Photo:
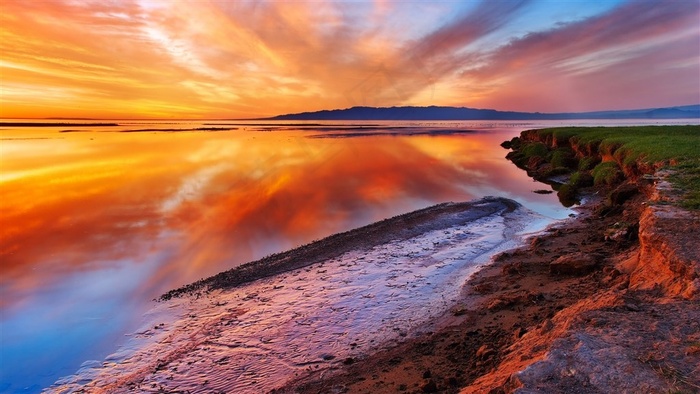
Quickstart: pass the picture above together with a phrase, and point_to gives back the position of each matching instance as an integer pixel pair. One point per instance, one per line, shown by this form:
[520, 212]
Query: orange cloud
[245, 59]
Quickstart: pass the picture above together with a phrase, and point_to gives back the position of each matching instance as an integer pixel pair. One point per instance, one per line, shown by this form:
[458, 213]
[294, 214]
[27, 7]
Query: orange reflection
[200, 203]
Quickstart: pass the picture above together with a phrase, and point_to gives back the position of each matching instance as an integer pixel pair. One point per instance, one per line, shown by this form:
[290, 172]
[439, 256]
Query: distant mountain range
[463, 113]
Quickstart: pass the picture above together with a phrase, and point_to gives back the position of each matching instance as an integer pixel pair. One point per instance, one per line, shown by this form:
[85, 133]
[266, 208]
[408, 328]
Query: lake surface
[97, 222]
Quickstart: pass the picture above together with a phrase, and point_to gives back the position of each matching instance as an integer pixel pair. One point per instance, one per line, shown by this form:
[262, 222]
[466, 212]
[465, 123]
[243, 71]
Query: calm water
[97, 223]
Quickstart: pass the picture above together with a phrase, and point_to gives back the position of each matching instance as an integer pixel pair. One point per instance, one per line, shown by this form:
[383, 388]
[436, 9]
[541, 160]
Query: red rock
[573, 264]
[485, 352]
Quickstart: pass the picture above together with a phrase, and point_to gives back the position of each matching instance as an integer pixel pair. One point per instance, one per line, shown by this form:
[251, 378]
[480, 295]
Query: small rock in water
[543, 191]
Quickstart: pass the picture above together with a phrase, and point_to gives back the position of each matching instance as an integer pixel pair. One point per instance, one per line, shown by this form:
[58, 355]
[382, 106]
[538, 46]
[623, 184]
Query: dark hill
[463, 113]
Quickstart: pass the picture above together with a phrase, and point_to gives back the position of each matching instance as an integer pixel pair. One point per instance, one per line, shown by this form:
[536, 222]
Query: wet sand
[312, 311]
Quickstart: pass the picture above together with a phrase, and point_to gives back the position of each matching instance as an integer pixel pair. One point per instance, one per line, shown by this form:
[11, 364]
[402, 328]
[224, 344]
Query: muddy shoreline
[515, 294]
[312, 309]
[561, 314]
[396, 228]
[525, 318]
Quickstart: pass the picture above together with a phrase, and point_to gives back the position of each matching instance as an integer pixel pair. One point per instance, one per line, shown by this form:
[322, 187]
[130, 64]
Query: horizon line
[343, 109]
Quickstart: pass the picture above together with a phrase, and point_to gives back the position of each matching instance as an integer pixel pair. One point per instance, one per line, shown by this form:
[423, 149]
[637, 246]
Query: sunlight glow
[136, 59]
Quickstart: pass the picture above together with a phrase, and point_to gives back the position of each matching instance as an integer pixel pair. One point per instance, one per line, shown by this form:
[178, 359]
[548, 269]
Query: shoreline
[333, 301]
[507, 329]
[504, 300]
[558, 315]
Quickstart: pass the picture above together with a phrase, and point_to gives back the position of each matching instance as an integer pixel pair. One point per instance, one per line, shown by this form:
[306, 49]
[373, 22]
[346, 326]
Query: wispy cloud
[151, 58]
[611, 60]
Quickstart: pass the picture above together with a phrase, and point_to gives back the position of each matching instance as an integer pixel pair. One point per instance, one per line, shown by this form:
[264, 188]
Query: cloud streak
[240, 59]
[642, 51]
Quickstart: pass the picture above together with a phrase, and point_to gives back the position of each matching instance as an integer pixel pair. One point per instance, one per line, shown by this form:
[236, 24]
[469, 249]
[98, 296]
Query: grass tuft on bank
[674, 147]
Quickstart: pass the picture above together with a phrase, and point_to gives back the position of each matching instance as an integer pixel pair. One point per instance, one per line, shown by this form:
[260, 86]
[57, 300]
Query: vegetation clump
[605, 156]
[587, 163]
[581, 179]
[563, 157]
[607, 173]
[536, 149]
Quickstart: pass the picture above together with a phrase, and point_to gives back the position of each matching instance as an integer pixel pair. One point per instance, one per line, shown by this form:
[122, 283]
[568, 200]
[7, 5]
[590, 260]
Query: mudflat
[313, 309]
[400, 227]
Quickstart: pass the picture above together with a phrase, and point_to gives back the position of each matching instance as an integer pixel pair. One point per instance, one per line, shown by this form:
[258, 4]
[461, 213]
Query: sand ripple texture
[256, 337]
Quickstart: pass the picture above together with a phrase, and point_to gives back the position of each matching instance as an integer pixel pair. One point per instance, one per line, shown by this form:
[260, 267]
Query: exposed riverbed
[258, 336]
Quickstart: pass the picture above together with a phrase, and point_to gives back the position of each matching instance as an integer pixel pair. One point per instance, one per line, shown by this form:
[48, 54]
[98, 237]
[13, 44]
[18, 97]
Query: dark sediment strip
[177, 130]
[411, 132]
[396, 228]
[304, 125]
[50, 124]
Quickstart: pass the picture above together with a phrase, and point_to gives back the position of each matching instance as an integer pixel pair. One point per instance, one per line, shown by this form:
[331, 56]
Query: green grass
[587, 163]
[687, 179]
[536, 149]
[563, 157]
[651, 143]
[606, 173]
[581, 179]
[676, 147]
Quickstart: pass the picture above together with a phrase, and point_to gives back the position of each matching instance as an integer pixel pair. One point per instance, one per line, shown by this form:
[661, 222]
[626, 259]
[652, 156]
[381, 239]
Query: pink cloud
[215, 59]
[638, 55]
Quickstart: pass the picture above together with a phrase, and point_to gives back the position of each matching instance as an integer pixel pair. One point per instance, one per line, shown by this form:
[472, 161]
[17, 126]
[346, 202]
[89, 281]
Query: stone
[622, 193]
[485, 352]
[573, 264]
[519, 332]
[430, 387]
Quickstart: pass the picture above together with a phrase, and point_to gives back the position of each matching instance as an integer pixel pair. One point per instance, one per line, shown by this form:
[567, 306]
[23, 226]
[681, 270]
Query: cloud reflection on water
[94, 225]
[218, 200]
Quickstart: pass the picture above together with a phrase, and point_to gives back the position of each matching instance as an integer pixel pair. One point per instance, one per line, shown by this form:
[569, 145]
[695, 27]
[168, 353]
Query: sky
[243, 59]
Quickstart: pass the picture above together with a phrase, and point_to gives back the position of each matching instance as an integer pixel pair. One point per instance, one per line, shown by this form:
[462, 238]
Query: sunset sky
[232, 59]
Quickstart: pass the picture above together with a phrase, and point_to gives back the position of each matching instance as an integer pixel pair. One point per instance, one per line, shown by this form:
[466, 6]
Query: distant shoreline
[51, 124]
[472, 114]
